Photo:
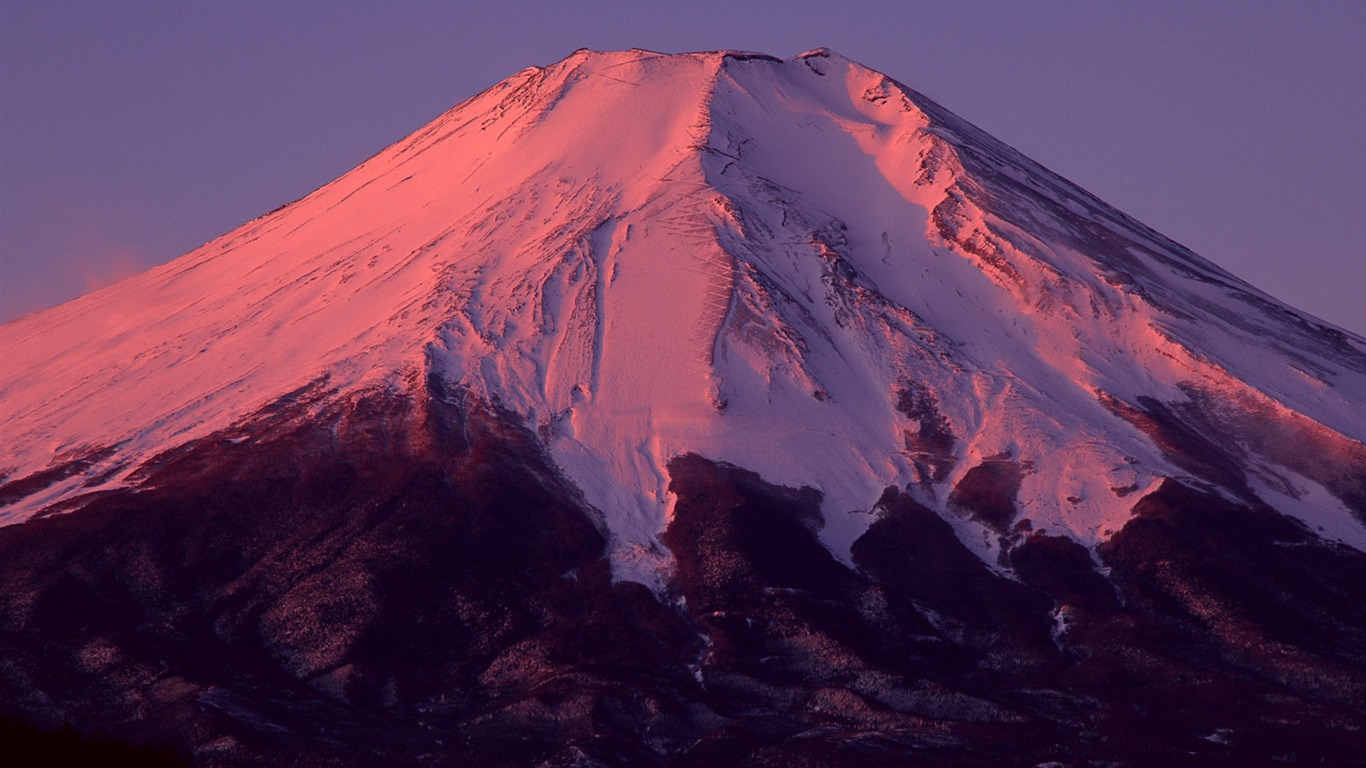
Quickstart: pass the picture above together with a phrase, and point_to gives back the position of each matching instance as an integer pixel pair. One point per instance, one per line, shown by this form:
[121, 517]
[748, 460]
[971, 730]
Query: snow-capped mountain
[764, 262]
[643, 282]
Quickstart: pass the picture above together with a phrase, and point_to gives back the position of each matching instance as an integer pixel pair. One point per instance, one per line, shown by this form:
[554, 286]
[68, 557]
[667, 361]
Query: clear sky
[132, 132]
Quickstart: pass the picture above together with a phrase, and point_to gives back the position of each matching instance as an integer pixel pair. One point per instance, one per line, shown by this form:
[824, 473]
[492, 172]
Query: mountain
[702, 409]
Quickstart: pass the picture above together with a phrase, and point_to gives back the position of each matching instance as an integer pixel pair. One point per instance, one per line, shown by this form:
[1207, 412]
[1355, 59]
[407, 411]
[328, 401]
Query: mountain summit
[901, 432]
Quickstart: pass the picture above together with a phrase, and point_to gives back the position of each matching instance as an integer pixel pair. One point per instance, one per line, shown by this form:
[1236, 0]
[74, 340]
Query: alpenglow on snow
[800, 267]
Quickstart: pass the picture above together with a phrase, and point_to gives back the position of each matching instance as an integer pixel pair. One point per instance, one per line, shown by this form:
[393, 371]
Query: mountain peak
[800, 267]
[902, 434]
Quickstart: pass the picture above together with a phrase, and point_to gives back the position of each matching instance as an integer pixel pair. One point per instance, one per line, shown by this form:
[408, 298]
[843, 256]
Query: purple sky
[132, 132]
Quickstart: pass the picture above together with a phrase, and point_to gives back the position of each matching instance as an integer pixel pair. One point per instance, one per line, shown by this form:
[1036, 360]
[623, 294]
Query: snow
[647, 255]
[1323, 514]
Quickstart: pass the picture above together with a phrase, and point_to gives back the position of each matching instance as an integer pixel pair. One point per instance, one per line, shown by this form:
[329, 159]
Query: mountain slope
[891, 421]
[621, 248]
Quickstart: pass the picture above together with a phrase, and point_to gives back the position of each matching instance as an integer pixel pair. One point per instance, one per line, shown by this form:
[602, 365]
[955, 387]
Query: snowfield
[800, 267]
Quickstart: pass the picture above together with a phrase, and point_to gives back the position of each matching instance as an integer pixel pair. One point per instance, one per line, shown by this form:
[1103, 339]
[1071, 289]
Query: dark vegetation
[390, 581]
[24, 744]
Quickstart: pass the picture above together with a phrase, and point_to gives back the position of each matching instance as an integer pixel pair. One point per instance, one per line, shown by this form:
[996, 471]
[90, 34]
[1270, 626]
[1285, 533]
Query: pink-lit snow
[646, 255]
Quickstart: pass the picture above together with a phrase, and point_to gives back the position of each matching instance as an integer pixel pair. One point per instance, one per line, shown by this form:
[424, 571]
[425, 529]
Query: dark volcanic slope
[399, 580]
